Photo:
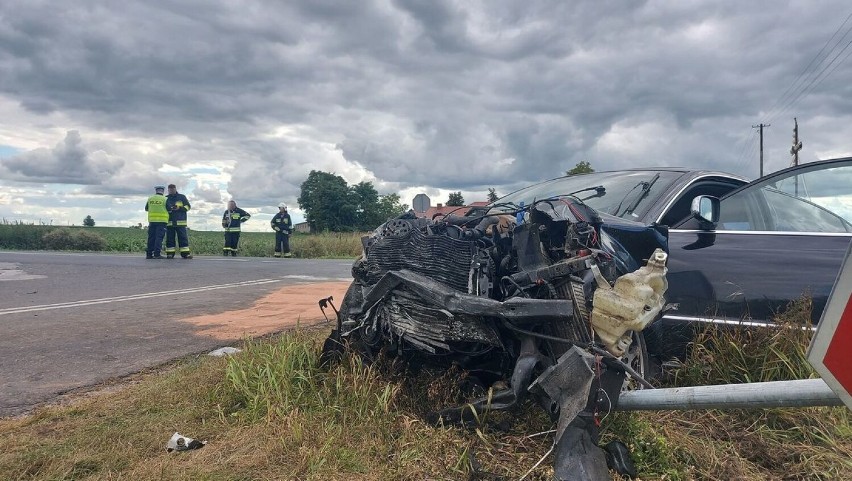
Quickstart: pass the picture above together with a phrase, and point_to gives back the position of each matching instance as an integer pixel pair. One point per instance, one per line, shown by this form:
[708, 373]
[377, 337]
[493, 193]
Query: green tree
[455, 199]
[492, 194]
[366, 200]
[582, 167]
[389, 207]
[328, 202]
[331, 204]
[88, 221]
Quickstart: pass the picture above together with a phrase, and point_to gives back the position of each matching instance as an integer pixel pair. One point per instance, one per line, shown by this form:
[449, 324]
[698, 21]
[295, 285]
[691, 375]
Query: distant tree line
[331, 204]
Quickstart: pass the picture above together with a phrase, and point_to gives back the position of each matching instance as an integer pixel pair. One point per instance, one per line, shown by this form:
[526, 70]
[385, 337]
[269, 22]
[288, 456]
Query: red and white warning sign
[830, 352]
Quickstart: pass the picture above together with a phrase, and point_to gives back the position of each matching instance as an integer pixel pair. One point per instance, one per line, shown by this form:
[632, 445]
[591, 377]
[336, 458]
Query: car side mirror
[705, 208]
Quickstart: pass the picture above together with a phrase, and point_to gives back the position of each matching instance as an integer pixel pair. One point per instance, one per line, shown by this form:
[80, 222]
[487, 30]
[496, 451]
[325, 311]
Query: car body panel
[727, 276]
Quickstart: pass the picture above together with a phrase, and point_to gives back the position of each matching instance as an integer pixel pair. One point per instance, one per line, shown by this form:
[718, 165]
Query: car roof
[806, 165]
[681, 170]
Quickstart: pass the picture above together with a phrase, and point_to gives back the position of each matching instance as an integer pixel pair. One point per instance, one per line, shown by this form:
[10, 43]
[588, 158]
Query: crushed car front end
[534, 301]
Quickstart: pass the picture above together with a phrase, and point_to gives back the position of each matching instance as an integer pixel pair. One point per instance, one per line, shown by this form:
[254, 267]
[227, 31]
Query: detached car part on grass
[546, 302]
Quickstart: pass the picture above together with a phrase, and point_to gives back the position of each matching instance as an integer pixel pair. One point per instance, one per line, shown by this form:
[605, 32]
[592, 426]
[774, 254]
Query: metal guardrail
[758, 395]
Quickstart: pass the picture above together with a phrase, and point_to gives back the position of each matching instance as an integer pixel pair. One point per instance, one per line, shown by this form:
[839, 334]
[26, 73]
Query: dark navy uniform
[231, 221]
[177, 205]
[283, 226]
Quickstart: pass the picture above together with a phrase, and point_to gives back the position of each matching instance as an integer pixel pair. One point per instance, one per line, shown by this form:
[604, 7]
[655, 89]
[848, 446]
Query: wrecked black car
[545, 302]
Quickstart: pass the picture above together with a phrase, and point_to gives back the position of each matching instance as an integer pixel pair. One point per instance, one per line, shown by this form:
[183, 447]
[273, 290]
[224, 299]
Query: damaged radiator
[430, 327]
[438, 257]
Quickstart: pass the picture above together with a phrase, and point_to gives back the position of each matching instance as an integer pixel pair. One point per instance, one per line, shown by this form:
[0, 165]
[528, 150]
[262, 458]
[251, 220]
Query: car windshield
[627, 194]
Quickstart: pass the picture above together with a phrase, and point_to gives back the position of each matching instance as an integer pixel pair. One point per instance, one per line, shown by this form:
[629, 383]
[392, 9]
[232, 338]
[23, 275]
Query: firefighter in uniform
[231, 221]
[177, 205]
[282, 225]
[158, 217]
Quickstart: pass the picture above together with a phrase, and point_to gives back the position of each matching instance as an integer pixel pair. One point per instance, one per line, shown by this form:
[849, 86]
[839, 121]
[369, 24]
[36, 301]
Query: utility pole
[794, 150]
[761, 126]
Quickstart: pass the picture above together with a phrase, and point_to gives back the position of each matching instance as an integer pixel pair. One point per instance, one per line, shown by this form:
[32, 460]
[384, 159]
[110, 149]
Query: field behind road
[119, 239]
[73, 320]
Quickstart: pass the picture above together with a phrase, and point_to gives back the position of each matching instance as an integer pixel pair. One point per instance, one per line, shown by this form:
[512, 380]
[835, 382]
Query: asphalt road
[74, 320]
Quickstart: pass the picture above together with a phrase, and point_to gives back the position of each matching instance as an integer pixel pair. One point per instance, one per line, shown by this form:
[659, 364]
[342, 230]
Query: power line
[752, 151]
[813, 83]
[814, 78]
[747, 145]
[740, 146]
[781, 100]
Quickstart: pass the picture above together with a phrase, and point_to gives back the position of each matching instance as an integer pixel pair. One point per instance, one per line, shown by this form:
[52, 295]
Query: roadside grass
[20, 236]
[808, 443]
[271, 412]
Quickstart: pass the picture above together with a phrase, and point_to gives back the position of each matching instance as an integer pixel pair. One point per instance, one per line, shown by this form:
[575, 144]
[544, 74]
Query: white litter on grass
[224, 351]
[179, 442]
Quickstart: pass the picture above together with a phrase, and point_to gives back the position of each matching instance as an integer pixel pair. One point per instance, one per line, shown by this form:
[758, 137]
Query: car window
[804, 200]
[682, 207]
[626, 194]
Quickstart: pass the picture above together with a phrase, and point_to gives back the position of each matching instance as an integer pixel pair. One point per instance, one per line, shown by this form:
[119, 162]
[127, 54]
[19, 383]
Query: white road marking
[107, 300]
[69, 254]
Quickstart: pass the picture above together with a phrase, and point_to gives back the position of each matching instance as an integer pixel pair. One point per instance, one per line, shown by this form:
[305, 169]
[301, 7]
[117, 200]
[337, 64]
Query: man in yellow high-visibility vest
[158, 217]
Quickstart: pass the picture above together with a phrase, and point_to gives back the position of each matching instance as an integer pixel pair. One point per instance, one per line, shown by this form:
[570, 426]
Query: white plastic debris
[224, 351]
[179, 442]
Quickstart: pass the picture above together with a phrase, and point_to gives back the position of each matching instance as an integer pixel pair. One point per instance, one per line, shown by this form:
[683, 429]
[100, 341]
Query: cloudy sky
[101, 100]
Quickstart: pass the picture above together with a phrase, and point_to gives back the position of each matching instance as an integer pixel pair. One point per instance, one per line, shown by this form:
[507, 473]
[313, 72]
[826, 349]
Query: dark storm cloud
[457, 95]
[68, 162]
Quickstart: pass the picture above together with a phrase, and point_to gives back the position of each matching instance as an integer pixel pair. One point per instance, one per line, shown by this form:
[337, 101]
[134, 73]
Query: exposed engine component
[539, 301]
[634, 301]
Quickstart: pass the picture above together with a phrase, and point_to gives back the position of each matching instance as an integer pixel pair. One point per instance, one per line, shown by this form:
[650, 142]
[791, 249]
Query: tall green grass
[343, 422]
[271, 379]
[809, 443]
[117, 239]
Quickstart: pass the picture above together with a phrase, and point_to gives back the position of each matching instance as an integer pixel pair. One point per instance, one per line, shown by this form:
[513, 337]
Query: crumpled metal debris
[179, 442]
[566, 386]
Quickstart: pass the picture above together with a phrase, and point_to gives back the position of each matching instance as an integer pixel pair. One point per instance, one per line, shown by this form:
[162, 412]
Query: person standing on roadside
[282, 225]
[178, 206]
[158, 217]
[231, 221]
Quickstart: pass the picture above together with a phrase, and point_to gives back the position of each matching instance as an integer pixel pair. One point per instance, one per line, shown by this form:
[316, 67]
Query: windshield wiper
[646, 187]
